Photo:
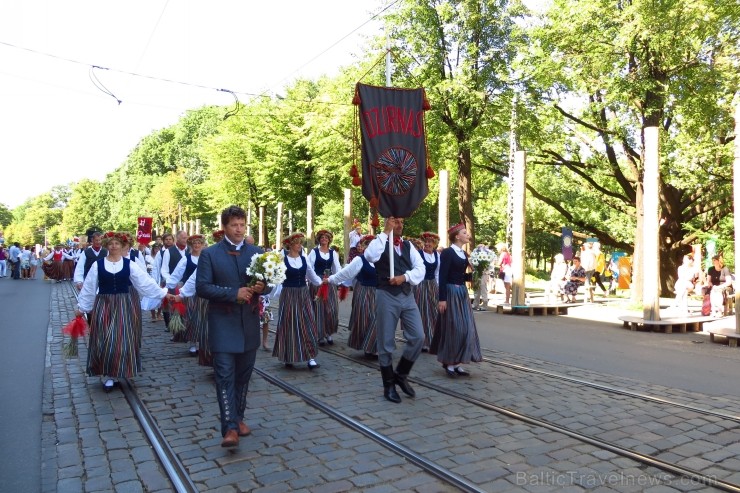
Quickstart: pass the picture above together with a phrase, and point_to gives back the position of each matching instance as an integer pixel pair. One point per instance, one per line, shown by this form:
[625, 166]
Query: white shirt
[179, 271]
[376, 248]
[188, 289]
[297, 263]
[324, 255]
[164, 271]
[349, 271]
[354, 238]
[144, 284]
[79, 275]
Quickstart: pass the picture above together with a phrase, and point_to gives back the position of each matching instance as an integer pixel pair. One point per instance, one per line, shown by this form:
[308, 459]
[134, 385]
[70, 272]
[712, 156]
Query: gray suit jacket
[232, 327]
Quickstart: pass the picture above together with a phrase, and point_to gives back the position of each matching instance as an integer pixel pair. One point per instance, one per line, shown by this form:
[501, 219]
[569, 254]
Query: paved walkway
[92, 442]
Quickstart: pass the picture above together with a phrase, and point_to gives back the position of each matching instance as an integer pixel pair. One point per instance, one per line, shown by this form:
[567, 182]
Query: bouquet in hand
[75, 329]
[481, 262]
[268, 267]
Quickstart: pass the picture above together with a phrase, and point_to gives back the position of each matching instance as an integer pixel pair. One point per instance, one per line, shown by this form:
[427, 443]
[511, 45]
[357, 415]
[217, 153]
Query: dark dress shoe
[312, 364]
[244, 429]
[450, 373]
[322, 342]
[330, 341]
[231, 439]
[425, 349]
[462, 372]
[289, 365]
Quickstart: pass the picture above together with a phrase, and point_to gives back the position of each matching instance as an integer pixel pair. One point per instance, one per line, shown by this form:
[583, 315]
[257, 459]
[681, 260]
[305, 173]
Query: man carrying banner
[394, 302]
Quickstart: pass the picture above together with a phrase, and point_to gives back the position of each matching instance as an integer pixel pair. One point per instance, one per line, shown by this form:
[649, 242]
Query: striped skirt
[113, 347]
[455, 338]
[426, 295]
[362, 325]
[53, 270]
[198, 323]
[136, 319]
[68, 269]
[296, 336]
[326, 312]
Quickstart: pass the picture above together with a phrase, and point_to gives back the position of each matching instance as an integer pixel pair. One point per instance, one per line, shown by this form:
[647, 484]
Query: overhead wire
[151, 35]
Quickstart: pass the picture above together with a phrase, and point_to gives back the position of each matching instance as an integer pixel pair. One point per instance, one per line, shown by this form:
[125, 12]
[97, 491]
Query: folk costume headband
[122, 238]
[324, 232]
[218, 235]
[365, 240]
[294, 238]
[194, 238]
[456, 229]
[428, 235]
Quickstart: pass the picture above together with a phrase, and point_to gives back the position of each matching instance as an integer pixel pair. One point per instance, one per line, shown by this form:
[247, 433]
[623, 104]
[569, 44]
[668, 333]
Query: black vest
[91, 258]
[401, 264]
[189, 268]
[175, 257]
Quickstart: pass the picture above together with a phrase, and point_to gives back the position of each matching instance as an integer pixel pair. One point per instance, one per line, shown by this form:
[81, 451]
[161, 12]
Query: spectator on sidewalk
[505, 271]
[480, 295]
[688, 276]
[558, 278]
[576, 279]
[3, 262]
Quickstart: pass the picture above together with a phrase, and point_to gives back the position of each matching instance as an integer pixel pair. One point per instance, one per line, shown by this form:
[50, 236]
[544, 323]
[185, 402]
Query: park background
[573, 83]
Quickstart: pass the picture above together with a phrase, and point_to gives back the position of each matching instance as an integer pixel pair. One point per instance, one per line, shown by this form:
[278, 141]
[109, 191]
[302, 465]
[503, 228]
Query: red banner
[144, 230]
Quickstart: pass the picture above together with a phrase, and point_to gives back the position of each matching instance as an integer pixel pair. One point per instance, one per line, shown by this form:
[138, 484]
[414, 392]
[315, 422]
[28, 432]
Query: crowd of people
[207, 299]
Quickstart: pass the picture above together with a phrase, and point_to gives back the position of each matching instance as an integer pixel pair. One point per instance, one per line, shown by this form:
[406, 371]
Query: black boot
[389, 384]
[402, 371]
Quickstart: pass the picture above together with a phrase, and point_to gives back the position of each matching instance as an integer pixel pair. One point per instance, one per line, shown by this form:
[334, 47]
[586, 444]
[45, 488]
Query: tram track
[182, 482]
[644, 459]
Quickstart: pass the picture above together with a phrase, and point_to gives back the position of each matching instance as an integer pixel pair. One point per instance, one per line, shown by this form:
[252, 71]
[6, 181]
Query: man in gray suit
[233, 321]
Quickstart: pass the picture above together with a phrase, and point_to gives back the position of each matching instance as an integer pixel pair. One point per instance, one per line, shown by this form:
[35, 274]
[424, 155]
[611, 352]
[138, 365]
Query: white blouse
[349, 271]
[143, 283]
[179, 271]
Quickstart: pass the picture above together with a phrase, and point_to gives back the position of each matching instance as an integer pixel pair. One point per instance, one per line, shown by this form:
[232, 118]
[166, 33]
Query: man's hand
[390, 223]
[397, 280]
[244, 295]
[259, 288]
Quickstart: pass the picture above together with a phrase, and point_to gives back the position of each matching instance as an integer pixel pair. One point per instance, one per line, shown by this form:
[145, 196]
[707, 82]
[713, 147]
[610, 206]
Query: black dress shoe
[425, 349]
[462, 372]
[450, 373]
[289, 365]
[322, 342]
[312, 364]
[330, 341]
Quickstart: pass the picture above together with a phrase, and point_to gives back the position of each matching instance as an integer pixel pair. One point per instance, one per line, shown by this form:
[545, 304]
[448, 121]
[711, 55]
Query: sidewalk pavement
[92, 442]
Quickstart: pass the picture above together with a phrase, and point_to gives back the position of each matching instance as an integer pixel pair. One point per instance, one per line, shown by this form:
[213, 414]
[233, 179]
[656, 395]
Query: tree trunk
[465, 188]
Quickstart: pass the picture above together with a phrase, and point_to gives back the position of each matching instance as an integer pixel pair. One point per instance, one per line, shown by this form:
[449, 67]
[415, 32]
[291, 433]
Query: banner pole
[391, 246]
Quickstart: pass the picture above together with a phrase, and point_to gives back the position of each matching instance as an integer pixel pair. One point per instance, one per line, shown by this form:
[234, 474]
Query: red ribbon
[397, 241]
[177, 306]
[76, 328]
[323, 292]
[343, 290]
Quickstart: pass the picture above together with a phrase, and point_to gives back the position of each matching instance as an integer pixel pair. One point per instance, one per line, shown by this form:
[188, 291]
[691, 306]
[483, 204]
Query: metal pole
[443, 221]
[347, 221]
[279, 226]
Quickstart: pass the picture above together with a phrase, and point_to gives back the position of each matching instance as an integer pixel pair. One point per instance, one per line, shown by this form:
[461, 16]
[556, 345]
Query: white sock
[450, 367]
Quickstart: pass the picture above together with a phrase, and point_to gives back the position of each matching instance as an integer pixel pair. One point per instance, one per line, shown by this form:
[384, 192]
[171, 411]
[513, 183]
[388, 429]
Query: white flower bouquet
[267, 267]
[481, 261]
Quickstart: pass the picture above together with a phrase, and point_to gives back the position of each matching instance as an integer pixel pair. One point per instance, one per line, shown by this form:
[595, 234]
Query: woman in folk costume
[455, 339]
[114, 345]
[296, 334]
[362, 327]
[427, 292]
[185, 269]
[197, 307]
[54, 264]
[136, 313]
[324, 261]
[68, 265]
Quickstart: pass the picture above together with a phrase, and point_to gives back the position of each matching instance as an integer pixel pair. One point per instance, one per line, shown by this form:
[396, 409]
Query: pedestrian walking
[233, 323]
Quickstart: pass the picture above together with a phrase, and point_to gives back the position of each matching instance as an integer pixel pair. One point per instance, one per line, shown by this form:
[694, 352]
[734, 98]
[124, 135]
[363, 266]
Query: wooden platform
[669, 324]
[729, 334]
[537, 309]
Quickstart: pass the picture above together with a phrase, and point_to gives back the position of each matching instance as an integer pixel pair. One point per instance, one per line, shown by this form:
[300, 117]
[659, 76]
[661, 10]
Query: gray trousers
[389, 310]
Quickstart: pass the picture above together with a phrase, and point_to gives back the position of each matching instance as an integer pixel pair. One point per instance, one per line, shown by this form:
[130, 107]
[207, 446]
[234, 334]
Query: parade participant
[455, 339]
[88, 257]
[354, 237]
[34, 261]
[426, 293]
[180, 275]
[233, 323]
[394, 302]
[68, 263]
[296, 334]
[324, 261]
[114, 346]
[169, 262]
[25, 259]
[152, 266]
[55, 269]
[362, 319]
